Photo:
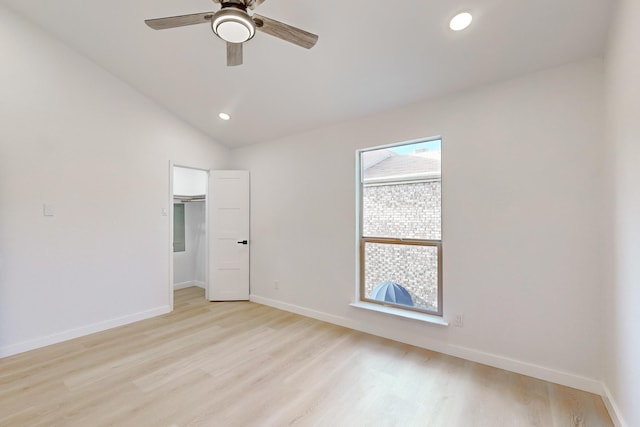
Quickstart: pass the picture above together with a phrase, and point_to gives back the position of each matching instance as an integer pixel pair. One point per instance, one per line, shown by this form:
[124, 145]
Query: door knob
[243, 242]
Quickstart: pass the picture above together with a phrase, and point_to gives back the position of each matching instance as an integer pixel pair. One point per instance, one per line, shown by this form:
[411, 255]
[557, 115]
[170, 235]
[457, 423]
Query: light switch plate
[48, 209]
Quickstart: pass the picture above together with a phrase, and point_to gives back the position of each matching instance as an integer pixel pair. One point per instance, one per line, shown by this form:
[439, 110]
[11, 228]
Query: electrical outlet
[276, 285]
[458, 322]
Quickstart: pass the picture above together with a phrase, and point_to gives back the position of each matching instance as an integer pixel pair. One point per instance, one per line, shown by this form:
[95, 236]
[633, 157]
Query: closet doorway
[190, 234]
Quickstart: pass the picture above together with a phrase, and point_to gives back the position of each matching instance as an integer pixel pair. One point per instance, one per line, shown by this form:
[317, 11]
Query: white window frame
[362, 240]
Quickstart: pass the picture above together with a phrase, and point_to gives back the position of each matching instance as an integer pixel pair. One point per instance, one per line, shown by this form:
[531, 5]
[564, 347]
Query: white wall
[189, 267]
[522, 230]
[189, 182]
[73, 136]
[622, 287]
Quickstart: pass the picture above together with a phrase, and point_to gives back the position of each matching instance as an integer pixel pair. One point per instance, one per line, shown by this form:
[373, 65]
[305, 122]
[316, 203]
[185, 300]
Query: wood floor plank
[243, 364]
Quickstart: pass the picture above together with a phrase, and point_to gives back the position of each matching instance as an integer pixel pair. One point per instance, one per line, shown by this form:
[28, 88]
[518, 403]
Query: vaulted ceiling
[371, 55]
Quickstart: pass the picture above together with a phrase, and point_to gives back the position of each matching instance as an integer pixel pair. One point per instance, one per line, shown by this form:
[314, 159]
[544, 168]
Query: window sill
[407, 314]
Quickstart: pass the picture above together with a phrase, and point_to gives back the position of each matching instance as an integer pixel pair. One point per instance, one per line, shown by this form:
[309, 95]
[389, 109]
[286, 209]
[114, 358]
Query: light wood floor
[243, 364]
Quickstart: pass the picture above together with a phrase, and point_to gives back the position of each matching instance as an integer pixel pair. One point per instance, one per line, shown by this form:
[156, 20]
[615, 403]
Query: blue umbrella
[392, 292]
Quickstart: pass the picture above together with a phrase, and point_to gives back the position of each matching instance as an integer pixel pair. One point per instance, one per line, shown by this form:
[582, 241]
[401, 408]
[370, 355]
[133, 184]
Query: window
[400, 229]
[178, 228]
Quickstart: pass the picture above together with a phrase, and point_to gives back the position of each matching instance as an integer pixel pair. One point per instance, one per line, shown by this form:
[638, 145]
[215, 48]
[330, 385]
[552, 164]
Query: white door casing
[229, 257]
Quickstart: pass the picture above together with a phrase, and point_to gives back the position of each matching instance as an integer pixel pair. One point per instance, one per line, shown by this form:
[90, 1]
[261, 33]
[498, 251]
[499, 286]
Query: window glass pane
[405, 275]
[401, 192]
[408, 210]
[178, 228]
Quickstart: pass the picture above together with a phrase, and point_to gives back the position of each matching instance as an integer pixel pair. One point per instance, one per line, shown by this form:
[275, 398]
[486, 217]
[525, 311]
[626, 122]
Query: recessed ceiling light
[461, 21]
[224, 116]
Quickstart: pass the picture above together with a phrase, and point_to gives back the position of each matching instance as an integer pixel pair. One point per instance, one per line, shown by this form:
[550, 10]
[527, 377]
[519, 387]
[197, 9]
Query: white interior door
[229, 234]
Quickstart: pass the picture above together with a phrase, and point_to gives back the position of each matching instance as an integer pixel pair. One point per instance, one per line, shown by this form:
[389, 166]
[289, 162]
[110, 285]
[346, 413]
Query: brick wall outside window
[406, 210]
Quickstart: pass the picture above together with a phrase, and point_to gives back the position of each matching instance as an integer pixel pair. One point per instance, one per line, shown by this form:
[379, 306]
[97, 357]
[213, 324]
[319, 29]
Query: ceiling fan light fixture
[233, 25]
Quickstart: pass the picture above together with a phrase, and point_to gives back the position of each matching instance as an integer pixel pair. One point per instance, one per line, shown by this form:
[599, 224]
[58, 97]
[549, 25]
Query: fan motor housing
[240, 4]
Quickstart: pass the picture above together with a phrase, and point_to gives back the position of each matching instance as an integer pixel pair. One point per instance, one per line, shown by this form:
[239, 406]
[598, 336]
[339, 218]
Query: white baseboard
[501, 362]
[529, 369]
[189, 284]
[32, 344]
[614, 410]
[303, 311]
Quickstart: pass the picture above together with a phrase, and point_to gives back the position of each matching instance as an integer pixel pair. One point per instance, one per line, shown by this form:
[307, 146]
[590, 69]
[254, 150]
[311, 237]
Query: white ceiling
[371, 56]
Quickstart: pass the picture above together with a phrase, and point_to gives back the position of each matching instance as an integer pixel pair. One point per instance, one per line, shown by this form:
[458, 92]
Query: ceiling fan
[235, 26]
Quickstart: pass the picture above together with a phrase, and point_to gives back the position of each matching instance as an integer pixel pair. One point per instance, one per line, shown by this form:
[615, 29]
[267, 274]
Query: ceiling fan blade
[252, 4]
[179, 21]
[234, 54]
[285, 32]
